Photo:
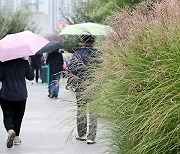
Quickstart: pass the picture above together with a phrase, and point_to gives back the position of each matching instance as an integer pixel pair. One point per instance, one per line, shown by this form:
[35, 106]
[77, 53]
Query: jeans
[54, 84]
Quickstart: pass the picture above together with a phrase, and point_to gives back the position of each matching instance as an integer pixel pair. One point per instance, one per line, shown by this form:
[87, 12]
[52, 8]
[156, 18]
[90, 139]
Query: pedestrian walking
[13, 94]
[36, 62]
[55, 62]
[78, 73]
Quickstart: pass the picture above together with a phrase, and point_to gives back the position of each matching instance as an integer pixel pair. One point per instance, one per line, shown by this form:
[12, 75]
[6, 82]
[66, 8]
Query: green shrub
[72, 43]
[14, 22]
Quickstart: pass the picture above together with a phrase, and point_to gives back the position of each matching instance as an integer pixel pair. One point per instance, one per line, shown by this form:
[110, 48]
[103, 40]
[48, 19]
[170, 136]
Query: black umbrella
[51, 47]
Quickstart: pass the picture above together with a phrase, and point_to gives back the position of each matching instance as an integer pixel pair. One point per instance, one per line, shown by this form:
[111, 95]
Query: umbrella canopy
[54, 37]
[21, 44]
[86, 29]
[50, 47]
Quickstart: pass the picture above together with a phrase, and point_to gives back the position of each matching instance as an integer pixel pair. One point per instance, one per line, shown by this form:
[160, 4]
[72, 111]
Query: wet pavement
[49, 126]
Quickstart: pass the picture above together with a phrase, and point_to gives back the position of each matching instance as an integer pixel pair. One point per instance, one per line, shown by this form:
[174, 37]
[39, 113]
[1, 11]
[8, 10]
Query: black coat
[55, 61]
[13, 75]
[36, 60]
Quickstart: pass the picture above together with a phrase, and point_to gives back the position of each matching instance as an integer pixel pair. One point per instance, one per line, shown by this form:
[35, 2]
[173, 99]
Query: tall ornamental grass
[138, 82]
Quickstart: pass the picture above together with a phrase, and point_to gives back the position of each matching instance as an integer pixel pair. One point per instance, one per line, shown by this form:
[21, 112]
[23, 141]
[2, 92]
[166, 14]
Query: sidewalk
[49, 126]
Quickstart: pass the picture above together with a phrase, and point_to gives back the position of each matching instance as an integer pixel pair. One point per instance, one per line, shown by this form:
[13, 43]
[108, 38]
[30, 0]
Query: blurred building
[53, 8]
[47, 14]
[12, 5]
[8, 4]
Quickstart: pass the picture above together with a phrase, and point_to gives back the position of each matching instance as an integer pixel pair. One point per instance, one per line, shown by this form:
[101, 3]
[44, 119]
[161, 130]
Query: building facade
[51, 10]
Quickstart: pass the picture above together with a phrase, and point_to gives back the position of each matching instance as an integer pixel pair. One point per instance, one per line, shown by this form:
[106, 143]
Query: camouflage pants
[83, 117]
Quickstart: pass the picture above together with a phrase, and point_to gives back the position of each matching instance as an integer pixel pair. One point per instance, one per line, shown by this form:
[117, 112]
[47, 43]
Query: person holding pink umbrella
[13, 94]
[14, 71]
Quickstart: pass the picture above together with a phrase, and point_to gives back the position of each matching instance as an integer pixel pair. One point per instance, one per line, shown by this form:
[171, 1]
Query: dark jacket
[55, 61]
[79, 67]
[13, 75]
[36, 60]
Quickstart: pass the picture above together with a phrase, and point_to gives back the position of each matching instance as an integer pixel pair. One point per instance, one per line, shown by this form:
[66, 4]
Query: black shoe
[56, 96]
[10, 139]
[51, 95]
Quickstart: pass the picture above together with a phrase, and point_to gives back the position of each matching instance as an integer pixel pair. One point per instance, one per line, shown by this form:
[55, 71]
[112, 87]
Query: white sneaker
[11, 136]
[17, 140]
[90, 142]
[82, 138]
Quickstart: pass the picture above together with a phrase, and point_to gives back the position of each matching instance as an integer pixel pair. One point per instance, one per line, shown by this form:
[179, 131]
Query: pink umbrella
[21, 44]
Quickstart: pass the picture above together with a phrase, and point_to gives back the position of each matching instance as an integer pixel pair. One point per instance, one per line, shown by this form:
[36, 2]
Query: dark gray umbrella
[51, 47]
[54, 37]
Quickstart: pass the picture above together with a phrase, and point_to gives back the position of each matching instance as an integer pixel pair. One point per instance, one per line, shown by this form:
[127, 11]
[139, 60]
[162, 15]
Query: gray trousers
[83, 118]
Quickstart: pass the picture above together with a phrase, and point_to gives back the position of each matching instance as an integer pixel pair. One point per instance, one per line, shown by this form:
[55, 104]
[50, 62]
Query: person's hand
[65, 68]
[68, 86]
